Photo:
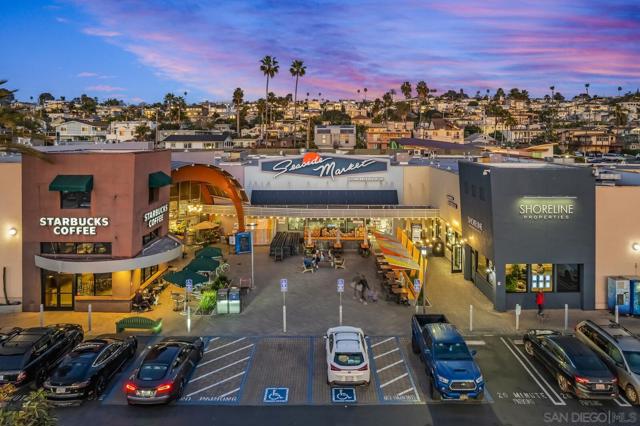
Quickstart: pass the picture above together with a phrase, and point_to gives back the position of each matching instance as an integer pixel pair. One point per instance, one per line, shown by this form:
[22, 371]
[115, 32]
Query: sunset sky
[139, 50]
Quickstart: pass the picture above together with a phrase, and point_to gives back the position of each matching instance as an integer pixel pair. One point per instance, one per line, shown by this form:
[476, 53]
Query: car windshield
[452, 351]
[72, 369]
[11, 362]
[588, 362]
[152, 372]
[633, 359]
[348, 359]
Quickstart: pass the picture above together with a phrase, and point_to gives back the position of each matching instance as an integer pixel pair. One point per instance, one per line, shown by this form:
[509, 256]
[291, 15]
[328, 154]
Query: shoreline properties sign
[547, 208]
[74, 225]
[317, 165]
[156, 216]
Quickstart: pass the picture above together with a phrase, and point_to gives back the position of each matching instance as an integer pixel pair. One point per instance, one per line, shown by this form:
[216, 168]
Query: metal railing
[329, 211]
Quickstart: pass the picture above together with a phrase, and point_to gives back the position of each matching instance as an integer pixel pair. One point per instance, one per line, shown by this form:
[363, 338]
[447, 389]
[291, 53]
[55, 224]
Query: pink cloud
[100, 32]
[86, 74]
[105, 88]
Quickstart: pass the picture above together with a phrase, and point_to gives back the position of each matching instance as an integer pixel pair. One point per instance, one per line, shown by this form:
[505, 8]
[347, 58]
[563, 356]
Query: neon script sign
[313, 164]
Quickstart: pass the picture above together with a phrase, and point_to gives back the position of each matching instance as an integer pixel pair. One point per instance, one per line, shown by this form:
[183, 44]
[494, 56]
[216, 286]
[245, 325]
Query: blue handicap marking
[276, 395]
[343, 395]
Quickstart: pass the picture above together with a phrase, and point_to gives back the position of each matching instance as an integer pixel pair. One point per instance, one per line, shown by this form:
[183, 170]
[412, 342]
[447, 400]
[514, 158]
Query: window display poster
[243, 242]
[416, 232]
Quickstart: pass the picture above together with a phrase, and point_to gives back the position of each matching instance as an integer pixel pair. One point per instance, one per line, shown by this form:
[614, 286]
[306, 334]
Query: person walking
[540, 302]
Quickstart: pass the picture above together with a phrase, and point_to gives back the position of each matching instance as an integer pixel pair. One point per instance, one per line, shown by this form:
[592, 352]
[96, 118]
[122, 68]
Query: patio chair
[307, 266]
[338, 263]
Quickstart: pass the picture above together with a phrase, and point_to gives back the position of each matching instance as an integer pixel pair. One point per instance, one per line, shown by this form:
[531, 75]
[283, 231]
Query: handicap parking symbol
[276, 395]
[343, 395]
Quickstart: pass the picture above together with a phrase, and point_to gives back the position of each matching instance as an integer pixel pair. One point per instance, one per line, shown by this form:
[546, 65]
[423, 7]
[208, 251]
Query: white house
[199, 141]
[335, 136]
[122, 131]
[81, 131]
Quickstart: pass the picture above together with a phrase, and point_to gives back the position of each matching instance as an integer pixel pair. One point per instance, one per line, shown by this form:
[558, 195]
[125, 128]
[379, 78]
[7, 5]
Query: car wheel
[180, 390]
[480, 396]
[200, 354]
[99, 386]
[563, 383]
[433, 391]
[632, 395]
[41, 377]
[528, 348]
[414, 346]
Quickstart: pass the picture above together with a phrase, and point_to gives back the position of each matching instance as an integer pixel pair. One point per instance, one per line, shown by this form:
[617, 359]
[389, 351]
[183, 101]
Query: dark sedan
[30, 354]
[164, 371]
[85, 372]
[576, 368]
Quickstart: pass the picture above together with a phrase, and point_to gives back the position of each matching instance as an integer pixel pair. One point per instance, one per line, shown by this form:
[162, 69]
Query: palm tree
[238, 98]
[586, 87]
[269, 67]
[406, 89]
[365, 94]
[423, 92]
[387, 100]
[297, 70]
[619, 90]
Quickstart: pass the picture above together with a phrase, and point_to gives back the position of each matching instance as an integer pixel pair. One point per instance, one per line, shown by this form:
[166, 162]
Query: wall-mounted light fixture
[12, 231]
[635, 246]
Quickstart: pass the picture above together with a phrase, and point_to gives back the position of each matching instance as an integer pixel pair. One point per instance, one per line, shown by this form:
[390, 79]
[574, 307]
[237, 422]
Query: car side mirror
[474, 352]
[325, 337]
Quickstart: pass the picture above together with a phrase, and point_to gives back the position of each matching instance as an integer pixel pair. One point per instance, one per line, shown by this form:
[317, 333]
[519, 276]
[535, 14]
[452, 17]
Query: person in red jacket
[540, 302]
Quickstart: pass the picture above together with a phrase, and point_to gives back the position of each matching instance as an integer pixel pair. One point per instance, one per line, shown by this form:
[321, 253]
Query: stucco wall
[617, 228]
[11, 217]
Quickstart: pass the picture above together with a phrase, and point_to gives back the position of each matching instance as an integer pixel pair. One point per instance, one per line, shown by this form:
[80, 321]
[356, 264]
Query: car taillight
[164, 388]
[21, 377]
[364, 368]
[582, 380]
[334, 368]
[130, 387]
[615, 380]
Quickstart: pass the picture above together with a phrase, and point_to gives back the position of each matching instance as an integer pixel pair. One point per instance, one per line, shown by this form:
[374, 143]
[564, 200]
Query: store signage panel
[532, 208]
[474, 223]
[323, 166]
[156, 216]
[74, 225]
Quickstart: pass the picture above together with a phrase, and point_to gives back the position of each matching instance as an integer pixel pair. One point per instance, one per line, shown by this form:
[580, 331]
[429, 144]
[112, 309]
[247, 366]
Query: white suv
[347, 356]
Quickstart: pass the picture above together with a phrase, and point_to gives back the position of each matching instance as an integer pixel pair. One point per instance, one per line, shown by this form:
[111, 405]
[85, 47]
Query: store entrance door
[57, 291]
[456, 258]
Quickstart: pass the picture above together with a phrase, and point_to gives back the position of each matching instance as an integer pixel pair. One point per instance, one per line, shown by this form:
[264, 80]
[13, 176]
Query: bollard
[284, 318]
[188, 319]
[340, 315]
[616, 313]
[470, 317]
[89, 318]
[41, 315]
[518, 311]
[566, 317]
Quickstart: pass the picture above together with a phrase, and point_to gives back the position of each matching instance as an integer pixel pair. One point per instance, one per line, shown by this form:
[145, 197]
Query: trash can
[234, 300]
[222, 304]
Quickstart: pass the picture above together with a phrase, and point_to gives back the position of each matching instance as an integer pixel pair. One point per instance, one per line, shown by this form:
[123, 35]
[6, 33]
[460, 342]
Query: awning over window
[72, 183]
[323, 197]
[159, 179]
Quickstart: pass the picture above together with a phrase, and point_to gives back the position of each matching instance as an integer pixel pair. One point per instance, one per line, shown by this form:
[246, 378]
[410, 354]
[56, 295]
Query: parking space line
[224, 356]
[384, 341]
[376, 377]
[247, 370]
[476, 342]
[621, 401]
[394, 380]
[228, 393]
[213, 339]
[560, 400]
[218, 370]
[406, 391]
[390, 365]
[406, 365]
[386, 353]
[217, 383]
[224, 346]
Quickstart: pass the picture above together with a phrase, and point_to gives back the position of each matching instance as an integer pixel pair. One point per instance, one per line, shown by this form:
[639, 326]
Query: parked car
[347, 356]
[619, 349]
[30, 354]
[448, 361]
[576, 368]
[6, 332]
[86, 370]
[164, 371]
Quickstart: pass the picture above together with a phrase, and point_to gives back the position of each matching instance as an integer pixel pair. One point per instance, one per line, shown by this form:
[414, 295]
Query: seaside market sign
[156, 216]
[74, 225]
[316, 165]
[533, 208]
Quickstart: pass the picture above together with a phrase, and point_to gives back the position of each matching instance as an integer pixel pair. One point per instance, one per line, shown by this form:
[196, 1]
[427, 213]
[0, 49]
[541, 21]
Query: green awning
[202, 264]
[209, 251]
[180, 278]
[72, 183]
[159, 179]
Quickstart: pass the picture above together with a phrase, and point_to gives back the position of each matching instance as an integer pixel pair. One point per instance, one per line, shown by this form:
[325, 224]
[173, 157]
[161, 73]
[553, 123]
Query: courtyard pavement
[312, 304]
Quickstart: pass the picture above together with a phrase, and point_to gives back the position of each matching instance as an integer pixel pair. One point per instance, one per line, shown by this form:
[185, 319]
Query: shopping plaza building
[93, 226]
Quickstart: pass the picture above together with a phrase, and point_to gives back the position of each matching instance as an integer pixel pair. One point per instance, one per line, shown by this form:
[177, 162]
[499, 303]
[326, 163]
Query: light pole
[251, 226]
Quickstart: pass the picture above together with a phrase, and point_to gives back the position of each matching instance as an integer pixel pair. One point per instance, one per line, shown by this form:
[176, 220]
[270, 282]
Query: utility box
[234, 300]
[222, 304]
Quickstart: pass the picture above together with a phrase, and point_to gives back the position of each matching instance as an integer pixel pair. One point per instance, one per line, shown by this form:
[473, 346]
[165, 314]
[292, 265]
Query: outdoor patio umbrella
[202, 264]
[209, 251]
[204, 225]
[180, 278]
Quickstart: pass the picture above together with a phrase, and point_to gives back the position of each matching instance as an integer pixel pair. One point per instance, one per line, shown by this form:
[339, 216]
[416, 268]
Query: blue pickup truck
[448, 361]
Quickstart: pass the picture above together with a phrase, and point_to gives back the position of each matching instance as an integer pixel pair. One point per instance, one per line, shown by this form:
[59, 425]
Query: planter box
[10, 309]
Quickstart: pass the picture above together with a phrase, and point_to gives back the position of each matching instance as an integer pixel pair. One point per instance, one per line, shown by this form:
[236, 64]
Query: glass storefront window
[75, 248]
[57, 290]
[103, 284]
[89, 284]
[516, 277]
[485, 268]
[75, 200]
[296, 224]
[542, 277]
[568, 276]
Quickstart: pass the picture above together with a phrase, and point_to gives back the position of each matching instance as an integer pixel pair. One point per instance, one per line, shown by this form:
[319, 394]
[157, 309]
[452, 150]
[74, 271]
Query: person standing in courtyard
[540, 302]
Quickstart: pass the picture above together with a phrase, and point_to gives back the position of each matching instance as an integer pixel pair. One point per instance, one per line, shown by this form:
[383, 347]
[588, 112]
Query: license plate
[600, 386]
[145, 393]
[60, 390]
[464, 397]
[1, 378]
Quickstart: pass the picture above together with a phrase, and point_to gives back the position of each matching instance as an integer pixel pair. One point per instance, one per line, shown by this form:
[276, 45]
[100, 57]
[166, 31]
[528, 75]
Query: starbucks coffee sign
[546, 208]
[74, 225]
[156, 216]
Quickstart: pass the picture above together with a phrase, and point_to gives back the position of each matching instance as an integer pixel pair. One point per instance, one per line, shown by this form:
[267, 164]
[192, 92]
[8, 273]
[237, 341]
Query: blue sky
[139, 50]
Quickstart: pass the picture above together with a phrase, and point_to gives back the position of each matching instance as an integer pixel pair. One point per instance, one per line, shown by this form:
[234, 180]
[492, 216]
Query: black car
[6, 332]
[164, 371]
[86, 370]
[30, 354]
[575, 367]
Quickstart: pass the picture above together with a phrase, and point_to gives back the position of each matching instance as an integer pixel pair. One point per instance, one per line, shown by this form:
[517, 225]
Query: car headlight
[81, 384]
[442, 379]
[480, 379]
